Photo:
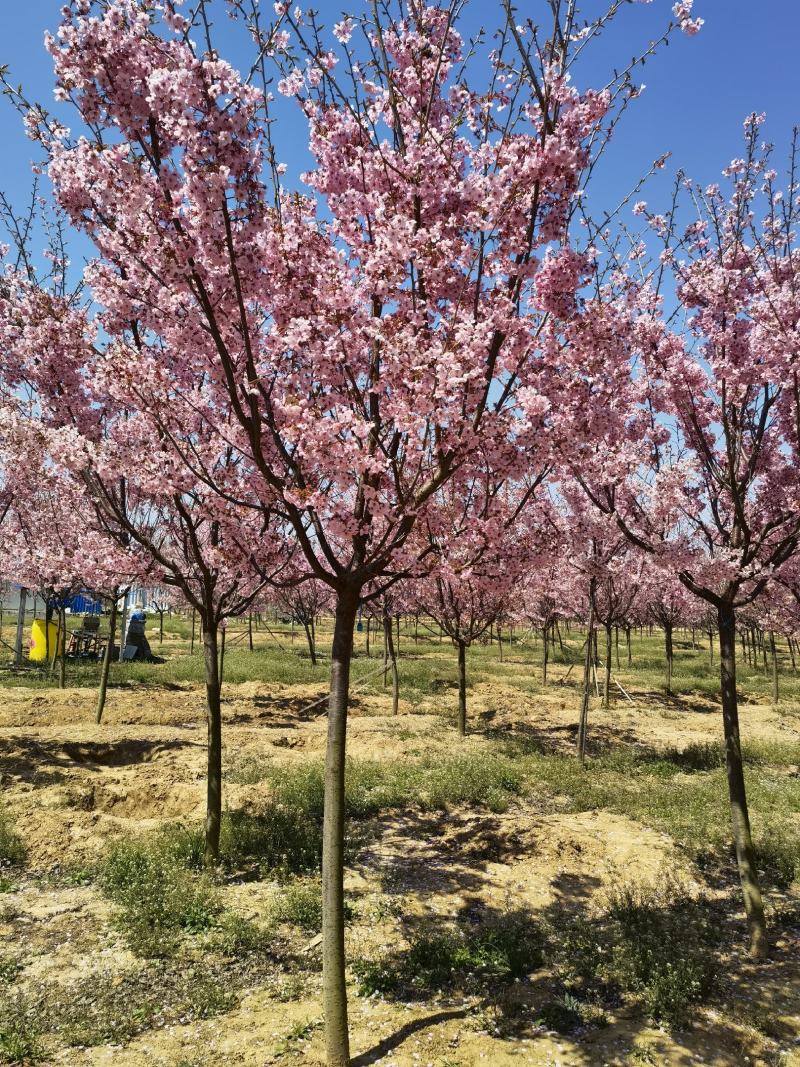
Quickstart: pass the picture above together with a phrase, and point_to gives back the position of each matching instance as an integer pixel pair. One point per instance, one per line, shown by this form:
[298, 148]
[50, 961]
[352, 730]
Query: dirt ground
[72, 787]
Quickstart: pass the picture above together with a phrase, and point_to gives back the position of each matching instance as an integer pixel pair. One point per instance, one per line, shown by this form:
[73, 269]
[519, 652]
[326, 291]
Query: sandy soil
[73, 786]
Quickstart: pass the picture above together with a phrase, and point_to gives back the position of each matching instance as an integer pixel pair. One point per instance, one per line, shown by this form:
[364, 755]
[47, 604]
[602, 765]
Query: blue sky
[698, 89]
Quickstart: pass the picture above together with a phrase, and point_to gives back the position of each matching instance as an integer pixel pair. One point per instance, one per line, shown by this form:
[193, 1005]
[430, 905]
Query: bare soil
[72, 787]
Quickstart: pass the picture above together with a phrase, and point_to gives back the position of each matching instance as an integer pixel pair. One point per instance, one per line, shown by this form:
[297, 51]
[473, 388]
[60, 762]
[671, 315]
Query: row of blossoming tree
[428, 381]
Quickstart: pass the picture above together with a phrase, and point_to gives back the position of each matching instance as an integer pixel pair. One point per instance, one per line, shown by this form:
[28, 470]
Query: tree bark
[668, 649]
[106, 667]
[774, 655]
[191, 646]
[123, 623]
[545, 655]
[392, 654]
[222, 654]
[462, 688]
[61, 648]
[628, 642]
[334, 987]
[214, 777]
[587, 681]
[23, 596]
[607, 681]
[310, 638]
[740, 820]
[48, 616]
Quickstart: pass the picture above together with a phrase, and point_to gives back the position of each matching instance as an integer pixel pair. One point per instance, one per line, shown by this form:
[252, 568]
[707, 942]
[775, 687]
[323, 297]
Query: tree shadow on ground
[441, 852]
[46, 762]
[476, 962]
[389, 1044]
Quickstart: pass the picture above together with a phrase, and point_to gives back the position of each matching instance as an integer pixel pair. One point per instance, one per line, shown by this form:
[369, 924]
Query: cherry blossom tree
[305, 600]
[720, 501]
[354, 346]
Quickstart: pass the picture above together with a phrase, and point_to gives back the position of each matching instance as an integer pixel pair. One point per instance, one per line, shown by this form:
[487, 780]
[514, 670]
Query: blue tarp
[84, 604]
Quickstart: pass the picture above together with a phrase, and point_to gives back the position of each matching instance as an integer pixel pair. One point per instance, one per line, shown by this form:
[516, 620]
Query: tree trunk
[587, 681]
[122, 627]
[392, 654]
[61, 648]
[763, 647]
[23, 596]
[191, 646]
[791, 653]
[774, 655]
[711, 647]
[334, 987]
[367, 633]
[214, 779]
[607, 683]
[545, 655]
[500, 643]
[669, 654]
[628, 642]
[310, 638]
[48, 616]
[462, 688]
[106, 667]
[161, 627]
[616, 645]
[222, 653]
[250, 630]
[740, 819]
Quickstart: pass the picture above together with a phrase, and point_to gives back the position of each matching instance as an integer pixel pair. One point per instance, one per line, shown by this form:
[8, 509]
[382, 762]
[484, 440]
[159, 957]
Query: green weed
[158, 896]
[500, 950]
[657, 948]
[12, 848]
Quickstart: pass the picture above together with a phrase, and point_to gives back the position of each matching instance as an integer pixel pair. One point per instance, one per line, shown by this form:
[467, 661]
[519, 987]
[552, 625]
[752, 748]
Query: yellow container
[38, 650]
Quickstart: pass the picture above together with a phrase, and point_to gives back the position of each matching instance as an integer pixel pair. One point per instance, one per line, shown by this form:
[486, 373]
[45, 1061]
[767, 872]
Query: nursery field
[506, 904]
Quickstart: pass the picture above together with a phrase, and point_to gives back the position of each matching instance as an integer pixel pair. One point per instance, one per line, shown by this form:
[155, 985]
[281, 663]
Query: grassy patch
[299, 903]
[12, 848]
[114, 1008]
[656, 948]
[9, 969]
[503, 949]
[159, 896]
[20, 1036]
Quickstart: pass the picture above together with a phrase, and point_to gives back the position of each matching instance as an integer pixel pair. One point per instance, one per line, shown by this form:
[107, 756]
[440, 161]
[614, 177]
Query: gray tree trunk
[311, 649]
[214, 775]
[106, 667]
[740, 819]
[23, 596]
[392, 654]
[607, 683]
[334, 986]
[773, 648]
[668, 648]
[462, 688]
[587, 681]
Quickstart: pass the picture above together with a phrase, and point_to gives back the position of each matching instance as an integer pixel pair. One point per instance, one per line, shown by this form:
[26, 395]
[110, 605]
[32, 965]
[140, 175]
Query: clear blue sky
[698, 89]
